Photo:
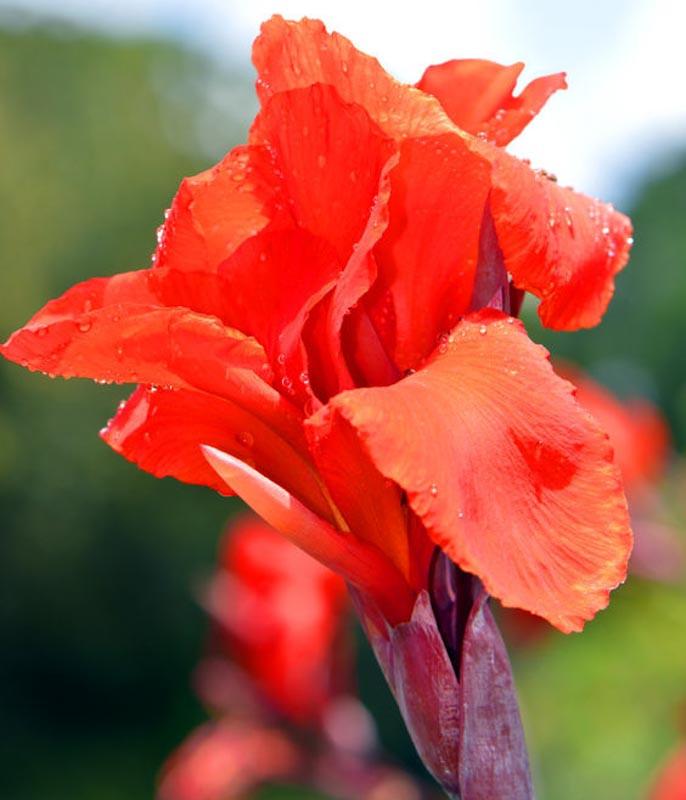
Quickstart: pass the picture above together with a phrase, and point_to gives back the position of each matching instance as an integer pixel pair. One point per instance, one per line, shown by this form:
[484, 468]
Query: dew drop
[41, 332]
[88, 305]
[245, 438]
[433, 490]
[304, 378]
[629, 240]
[460, 514]
[287, 383]
[344, 66]
[483, 330]
[605, 230]
[510, 320]
[281, 359]
[84, 325]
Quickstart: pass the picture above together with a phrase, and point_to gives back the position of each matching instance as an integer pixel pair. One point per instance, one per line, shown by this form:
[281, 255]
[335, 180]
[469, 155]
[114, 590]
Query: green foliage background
[99, 630]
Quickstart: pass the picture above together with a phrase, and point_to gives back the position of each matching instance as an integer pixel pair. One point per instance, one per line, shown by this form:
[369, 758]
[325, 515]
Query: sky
[623, 116]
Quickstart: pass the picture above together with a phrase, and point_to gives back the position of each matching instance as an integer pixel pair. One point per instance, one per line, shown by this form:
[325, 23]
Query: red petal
[217, 210]
[510, 476]
[290, 55]
[116, 330]
[562, 246]
[162, 432]
[330, 156]
[477, 96]
[358, 562]
[375, 514]
[428, 256]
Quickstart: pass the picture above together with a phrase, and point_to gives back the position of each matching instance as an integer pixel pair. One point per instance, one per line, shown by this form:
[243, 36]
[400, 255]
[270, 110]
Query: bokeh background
[103, 108]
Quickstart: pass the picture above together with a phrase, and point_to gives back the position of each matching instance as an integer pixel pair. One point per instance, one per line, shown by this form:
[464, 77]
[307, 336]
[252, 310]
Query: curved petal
[116, 330]
[428, 255]
[510, 476]
[289, 55]
[375, 514]
[162, 432]
[360, 563]
[215, 211]
[562, 246]
[274, 280]
[330, 156]
[478, 96]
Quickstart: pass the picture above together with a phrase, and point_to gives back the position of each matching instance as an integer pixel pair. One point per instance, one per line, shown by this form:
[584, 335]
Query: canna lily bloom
[328, 330]
[280, 615]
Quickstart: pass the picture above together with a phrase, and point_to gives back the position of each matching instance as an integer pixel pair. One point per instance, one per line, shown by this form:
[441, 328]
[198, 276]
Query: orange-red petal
[290, 55]
[375, 513]
[428, 255]
[510, 476]
[562, 246]
[478, 96]
[329, 155]
[116, 330]
[218, 209]
[162, 431]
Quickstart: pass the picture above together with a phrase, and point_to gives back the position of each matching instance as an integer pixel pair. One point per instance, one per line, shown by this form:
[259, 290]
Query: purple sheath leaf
[463, 717]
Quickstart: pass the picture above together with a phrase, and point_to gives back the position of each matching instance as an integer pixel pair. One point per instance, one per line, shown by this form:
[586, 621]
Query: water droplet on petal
[483, 330]
[245, 438]
[460, 514]
[433, 490]
[84, 325]
[41, 332]
[344, 66]
[304, 378]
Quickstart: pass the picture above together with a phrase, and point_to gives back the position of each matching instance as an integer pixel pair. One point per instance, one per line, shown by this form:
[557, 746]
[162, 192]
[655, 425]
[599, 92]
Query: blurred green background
[99, 630]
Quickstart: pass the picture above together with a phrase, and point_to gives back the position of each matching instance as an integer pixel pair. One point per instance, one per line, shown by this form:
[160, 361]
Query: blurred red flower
[280, 615]
[670, 783]
[278, 677]
[328, 331]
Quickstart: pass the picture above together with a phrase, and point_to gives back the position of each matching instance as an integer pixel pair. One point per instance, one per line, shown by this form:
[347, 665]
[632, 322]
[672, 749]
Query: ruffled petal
[162, 432]
[510, 476]
[330, 156]
[562, 246]
[116, 330]
[428, 256]
[478, 96]
[290, 55]
[215, 211]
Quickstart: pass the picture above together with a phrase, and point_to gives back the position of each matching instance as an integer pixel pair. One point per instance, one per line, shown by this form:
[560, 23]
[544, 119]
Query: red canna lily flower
[327, 331]
[279, 614]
